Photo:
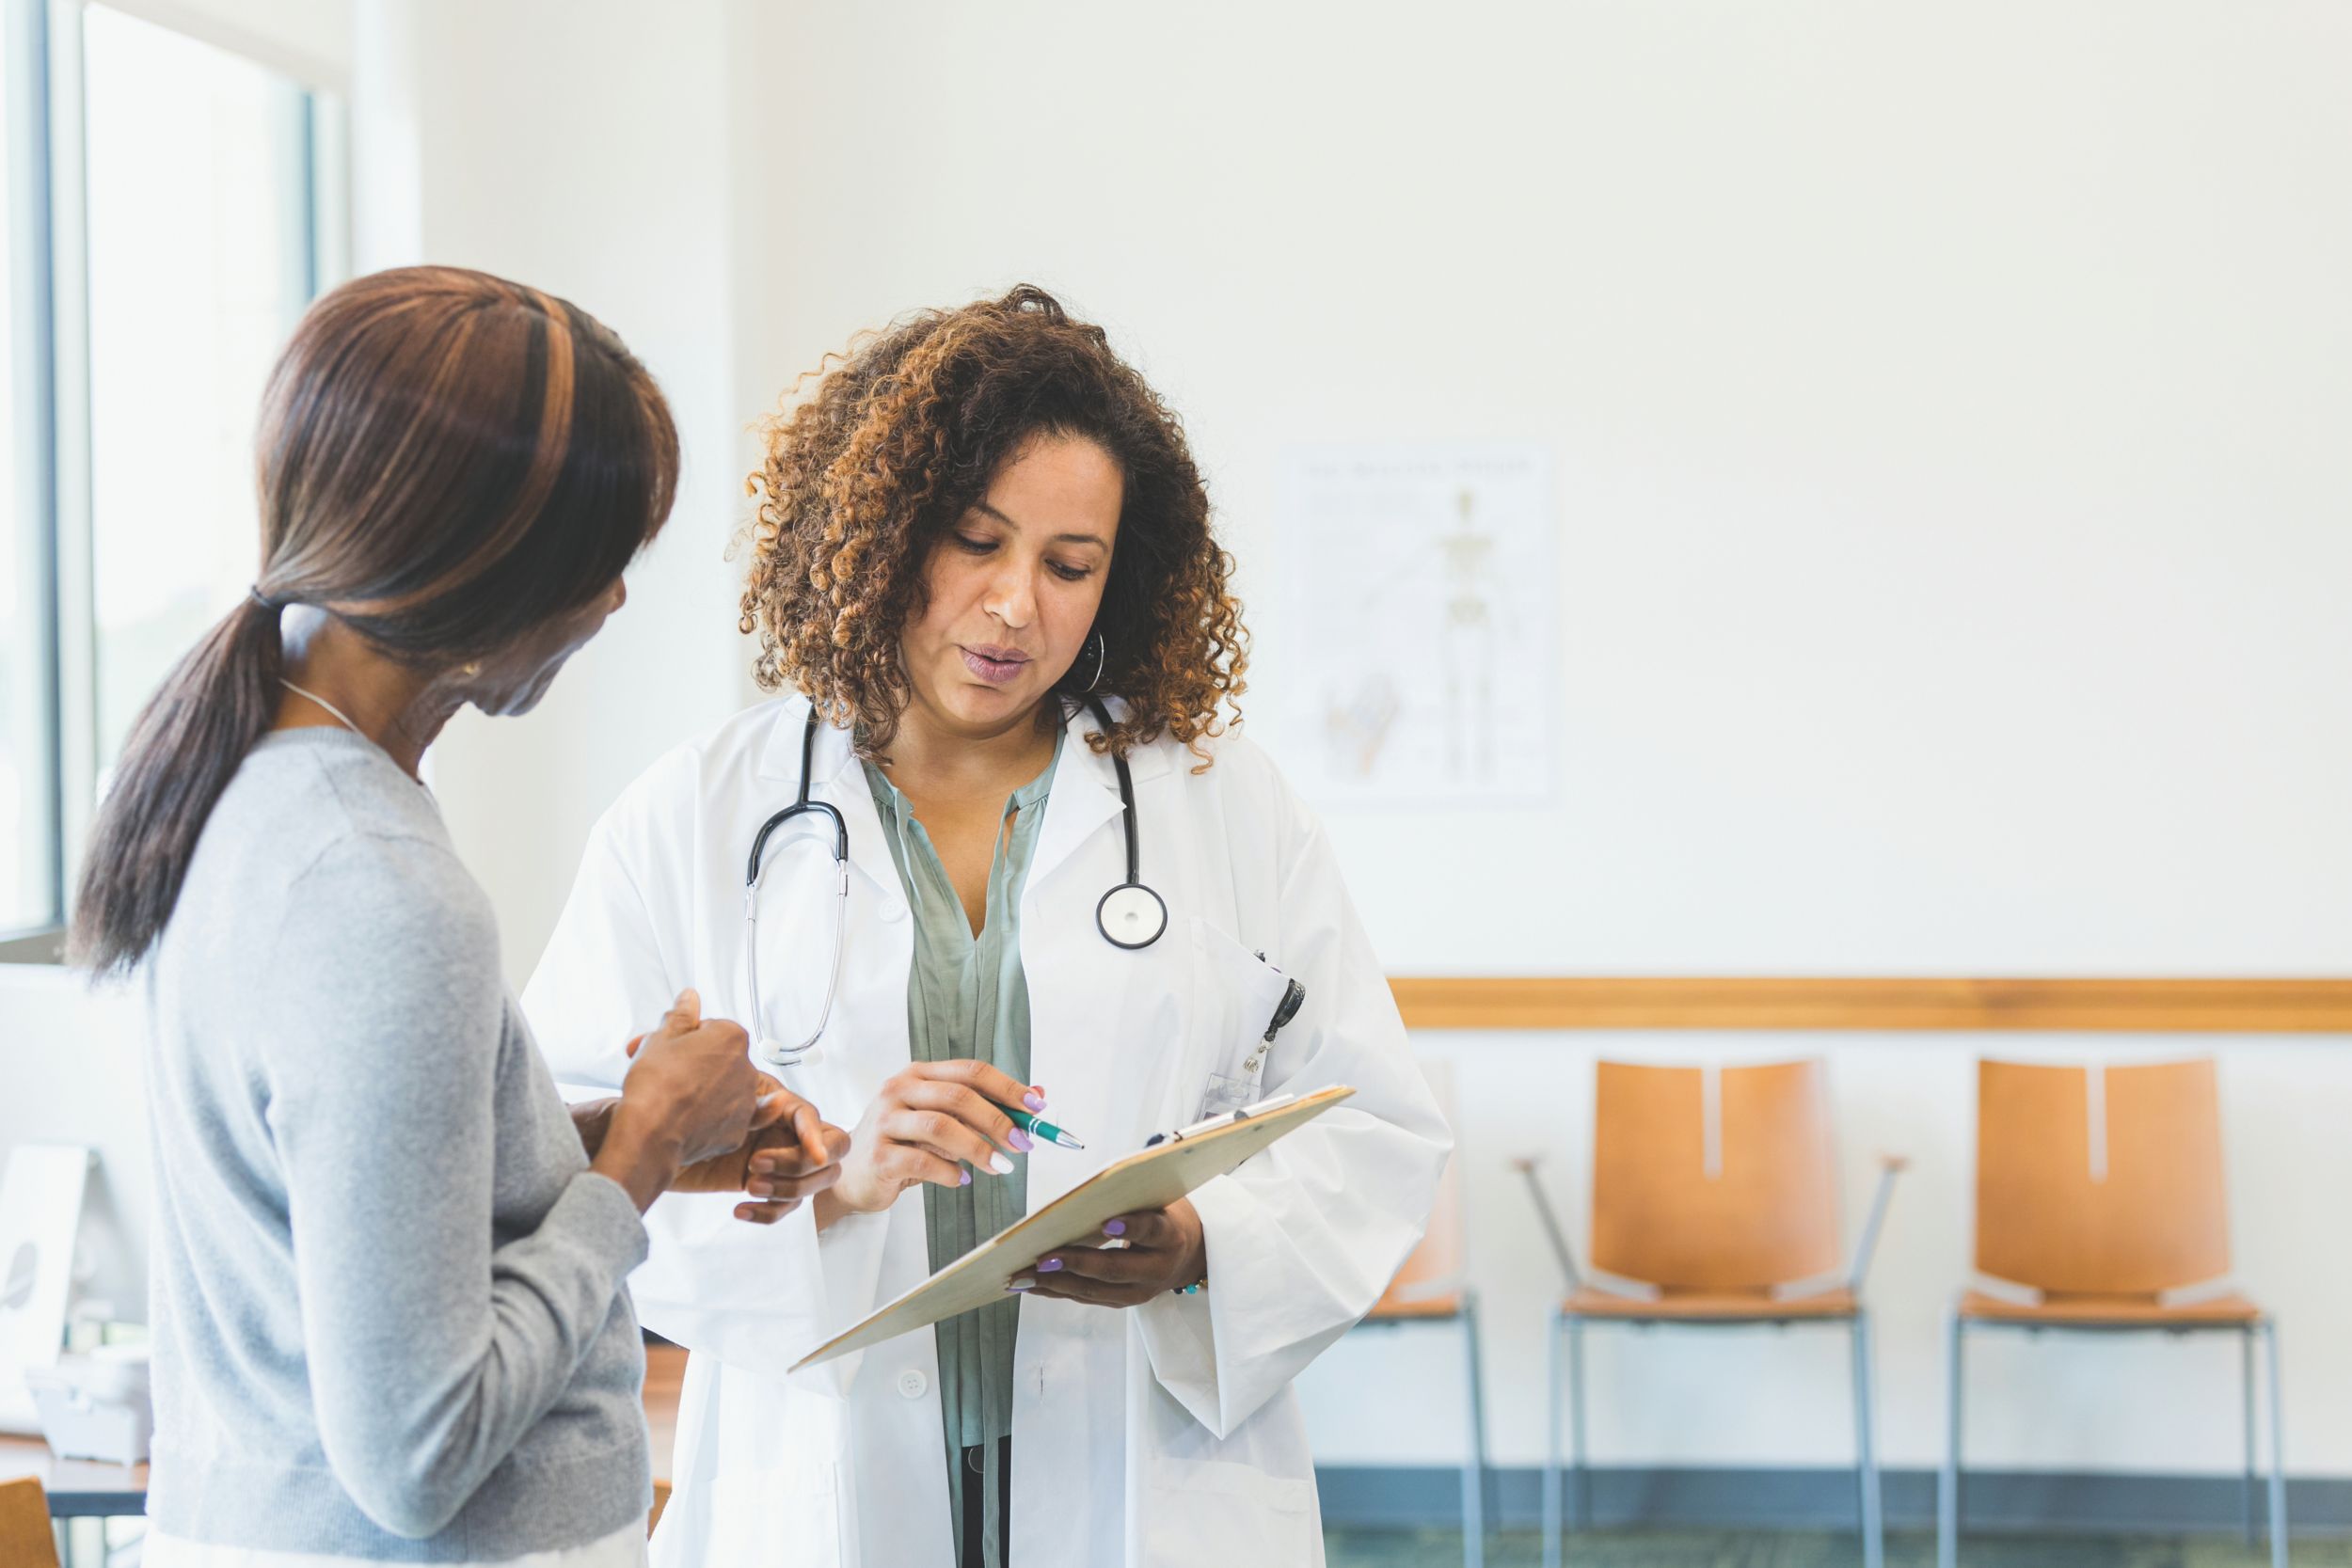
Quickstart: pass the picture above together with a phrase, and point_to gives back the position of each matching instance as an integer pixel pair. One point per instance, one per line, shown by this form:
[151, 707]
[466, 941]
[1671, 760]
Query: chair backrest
[2099, 1180]
[26, 1538]
[1714, 1178]
[1442, 1256]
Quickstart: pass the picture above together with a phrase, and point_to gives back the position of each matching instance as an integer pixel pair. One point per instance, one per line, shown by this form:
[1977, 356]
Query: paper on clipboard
[1152, 1179]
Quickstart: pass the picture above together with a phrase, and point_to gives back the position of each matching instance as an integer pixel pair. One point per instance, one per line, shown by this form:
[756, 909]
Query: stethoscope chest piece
[1130, 916]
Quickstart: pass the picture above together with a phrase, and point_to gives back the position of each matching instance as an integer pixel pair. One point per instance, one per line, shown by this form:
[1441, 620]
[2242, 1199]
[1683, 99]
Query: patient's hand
[790, 1155]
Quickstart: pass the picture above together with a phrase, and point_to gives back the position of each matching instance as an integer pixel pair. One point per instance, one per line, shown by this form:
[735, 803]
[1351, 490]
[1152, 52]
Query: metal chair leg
[1552, 1448]
[1475, 1470]
[2246, 1390]
[1576, 1425]
[2278, 1455]
[1866, 1456]
[1948, 1484]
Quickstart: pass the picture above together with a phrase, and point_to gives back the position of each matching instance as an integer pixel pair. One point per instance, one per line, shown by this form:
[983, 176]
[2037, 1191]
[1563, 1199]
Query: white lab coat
[1160, 1434]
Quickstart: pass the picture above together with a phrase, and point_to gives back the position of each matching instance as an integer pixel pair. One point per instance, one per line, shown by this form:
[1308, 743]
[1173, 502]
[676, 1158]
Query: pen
[1037, 1126]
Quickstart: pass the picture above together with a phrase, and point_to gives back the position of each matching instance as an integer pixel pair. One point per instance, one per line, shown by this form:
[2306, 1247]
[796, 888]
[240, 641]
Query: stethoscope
[1130, 915]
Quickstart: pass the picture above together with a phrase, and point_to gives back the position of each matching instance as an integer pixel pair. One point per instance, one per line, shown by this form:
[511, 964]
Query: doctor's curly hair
[901, 436]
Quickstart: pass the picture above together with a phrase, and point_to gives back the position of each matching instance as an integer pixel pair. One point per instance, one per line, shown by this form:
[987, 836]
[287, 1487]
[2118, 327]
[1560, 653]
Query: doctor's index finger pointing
[975, 1111]
[982, 1079]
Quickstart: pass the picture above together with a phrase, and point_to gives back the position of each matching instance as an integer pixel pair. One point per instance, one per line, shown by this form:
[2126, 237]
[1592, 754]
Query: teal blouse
[967, 998]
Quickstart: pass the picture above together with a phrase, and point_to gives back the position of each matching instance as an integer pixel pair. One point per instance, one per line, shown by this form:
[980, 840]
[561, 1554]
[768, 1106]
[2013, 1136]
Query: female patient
[388, 1312]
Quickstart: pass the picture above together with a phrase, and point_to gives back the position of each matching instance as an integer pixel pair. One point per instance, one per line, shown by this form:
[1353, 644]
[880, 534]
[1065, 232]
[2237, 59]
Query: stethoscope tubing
[1139, 913]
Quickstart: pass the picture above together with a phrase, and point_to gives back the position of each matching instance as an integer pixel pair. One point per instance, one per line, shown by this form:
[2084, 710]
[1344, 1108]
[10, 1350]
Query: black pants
[968, 1528]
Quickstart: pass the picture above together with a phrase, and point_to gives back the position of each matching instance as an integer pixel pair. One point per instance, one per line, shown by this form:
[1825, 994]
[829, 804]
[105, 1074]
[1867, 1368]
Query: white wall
[588, 148]
[1948, 414]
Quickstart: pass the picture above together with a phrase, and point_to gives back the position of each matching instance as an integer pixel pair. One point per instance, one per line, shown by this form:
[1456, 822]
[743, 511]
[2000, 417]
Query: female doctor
[982, 563]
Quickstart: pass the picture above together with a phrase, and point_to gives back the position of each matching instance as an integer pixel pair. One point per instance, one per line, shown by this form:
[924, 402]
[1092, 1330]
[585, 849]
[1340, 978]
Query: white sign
[1422, 622]
[40, 1210]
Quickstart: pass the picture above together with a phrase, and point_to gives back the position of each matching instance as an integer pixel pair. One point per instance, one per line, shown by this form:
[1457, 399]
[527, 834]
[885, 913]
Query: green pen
[1037, 1126]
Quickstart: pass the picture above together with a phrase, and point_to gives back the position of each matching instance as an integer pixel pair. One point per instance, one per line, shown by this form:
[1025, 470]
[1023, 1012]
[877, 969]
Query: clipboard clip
[1228, 1118]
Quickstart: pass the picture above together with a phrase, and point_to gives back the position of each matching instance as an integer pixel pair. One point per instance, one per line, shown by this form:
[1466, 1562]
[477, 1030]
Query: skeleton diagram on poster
[1423, 596]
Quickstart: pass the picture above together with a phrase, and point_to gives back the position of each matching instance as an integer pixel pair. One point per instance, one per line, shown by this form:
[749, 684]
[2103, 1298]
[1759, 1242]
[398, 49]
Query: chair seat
[1393, 1310]
[25, 1536]
[2110, 1311]
[1708, 1306]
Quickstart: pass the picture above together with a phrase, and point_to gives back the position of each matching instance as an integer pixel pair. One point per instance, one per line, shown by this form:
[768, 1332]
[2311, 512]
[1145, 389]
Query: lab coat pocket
[756, 1516]
[1216, 1511]
[1235, 995]
[758, 1480]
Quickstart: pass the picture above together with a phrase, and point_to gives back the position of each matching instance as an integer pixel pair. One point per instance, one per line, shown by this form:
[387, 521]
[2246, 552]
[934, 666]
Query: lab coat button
[912, 1383]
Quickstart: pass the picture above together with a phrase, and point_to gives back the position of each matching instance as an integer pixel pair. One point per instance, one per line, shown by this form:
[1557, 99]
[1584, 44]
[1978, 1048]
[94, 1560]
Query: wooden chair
[665, 1377]
[1434, 1287]
[27, 1538]
[1715, 1189]
[2100, 1190]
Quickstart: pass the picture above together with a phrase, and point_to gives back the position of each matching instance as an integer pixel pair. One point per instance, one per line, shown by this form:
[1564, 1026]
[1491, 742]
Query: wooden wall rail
[2151, 1006]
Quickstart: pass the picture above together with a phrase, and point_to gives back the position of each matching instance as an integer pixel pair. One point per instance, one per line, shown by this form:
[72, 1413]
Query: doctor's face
[1013, 587]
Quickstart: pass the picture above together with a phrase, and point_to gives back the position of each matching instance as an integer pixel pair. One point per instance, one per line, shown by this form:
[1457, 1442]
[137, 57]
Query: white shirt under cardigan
[623, 1548]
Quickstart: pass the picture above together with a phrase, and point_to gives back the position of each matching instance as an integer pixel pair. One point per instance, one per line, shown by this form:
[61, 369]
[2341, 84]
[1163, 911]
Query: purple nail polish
[1114, 1227]
[1019, 1141]
[964, 1178]
[1049, 1265]
[1034, 1101]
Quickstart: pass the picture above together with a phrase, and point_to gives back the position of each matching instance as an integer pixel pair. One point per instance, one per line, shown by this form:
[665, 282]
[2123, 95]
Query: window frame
[48, 231]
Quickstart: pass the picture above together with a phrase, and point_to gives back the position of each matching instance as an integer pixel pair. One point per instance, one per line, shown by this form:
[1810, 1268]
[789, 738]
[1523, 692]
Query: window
[174, 219]
[29, 876]
[199, 257]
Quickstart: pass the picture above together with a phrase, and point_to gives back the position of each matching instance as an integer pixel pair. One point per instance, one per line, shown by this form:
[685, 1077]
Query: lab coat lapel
[1085, 795]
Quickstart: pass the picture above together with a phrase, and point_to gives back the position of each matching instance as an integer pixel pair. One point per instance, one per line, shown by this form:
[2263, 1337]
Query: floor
[1632, 1548]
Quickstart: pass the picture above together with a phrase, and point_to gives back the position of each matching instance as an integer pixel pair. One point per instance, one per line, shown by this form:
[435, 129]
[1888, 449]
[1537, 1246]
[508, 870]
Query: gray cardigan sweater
[388, 1306]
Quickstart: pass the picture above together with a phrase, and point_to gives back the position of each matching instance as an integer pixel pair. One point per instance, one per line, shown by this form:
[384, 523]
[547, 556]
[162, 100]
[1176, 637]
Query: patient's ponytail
[184, 746]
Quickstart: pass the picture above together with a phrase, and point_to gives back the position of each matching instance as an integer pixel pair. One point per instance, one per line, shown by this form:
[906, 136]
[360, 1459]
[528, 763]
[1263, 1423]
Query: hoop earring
[1102, 657]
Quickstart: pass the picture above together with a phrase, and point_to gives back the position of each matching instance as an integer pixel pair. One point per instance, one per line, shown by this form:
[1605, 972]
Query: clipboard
[1171, 1166]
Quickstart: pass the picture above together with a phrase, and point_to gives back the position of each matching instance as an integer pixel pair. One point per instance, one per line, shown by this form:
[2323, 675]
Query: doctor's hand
[1165, 1251]
[791, 1154]
[931, 1121]
[687, 1096]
